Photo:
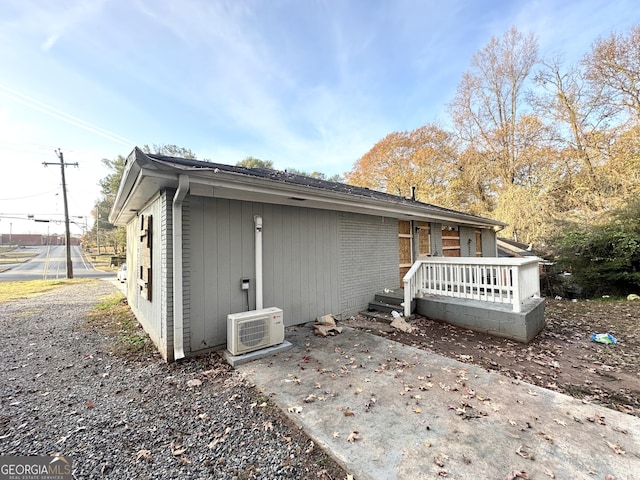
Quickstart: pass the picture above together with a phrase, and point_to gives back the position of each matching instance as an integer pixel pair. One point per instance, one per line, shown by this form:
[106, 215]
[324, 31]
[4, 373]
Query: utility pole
[66, 208]
[98, 227]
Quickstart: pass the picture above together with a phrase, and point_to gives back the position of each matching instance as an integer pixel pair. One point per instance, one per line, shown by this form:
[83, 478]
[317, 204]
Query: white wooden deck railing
[488, 279]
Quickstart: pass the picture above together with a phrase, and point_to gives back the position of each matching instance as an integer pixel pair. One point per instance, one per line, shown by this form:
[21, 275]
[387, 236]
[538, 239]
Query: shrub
[603, 259]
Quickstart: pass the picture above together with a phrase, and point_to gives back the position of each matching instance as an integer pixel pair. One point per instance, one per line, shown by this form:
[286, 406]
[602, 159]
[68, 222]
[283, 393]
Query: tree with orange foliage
[424, 158]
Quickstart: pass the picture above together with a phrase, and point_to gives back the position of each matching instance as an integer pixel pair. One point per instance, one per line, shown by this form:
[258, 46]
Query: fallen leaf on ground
[348, 412]
[523, 453]
[294, 409]
[336, 434]
[560, 422]
[178, 451]
[353, 436]
[549, 473]
[616, 448]
[310, 399]
[144, 455]
[517, 474]
[90, 404]
[440, 459]
[194, 382]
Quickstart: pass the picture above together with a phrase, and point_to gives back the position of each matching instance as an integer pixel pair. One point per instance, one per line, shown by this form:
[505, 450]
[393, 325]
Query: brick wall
[368, 263]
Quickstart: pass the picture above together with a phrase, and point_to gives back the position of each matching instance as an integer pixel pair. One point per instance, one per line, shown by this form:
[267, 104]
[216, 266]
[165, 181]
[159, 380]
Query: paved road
[51, 263]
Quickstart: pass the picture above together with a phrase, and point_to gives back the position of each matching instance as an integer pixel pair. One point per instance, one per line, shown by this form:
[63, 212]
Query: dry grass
[10, 255]
[32, 288]
[114, 317]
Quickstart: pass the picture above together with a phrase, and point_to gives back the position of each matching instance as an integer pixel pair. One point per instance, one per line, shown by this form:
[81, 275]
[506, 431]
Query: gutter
[178, 292]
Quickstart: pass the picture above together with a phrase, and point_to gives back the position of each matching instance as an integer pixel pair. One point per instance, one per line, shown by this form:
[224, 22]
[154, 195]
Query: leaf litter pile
[562, 357]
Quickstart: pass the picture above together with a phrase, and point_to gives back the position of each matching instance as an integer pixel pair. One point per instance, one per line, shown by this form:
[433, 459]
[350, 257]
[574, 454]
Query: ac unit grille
[254, 332]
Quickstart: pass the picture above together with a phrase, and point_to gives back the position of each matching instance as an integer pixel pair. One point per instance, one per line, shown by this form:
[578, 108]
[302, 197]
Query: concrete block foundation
[496, 319]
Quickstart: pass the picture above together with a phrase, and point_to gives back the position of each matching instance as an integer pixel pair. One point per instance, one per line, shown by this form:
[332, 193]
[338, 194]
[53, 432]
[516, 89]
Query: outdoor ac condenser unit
[253, 330]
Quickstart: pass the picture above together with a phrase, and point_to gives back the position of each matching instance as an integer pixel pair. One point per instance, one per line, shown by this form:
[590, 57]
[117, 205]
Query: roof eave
[140, 168]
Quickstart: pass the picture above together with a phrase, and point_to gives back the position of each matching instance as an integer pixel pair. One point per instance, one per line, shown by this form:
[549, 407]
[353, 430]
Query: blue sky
[311, 85]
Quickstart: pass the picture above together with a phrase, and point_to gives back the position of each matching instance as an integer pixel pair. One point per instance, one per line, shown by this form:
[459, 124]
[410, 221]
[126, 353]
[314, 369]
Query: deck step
[390, 298]
[385, 307]
[377, 315]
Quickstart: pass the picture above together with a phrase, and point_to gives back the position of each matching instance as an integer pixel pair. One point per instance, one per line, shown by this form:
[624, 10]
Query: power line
[28, 196]
[66, 208]
[65, 117]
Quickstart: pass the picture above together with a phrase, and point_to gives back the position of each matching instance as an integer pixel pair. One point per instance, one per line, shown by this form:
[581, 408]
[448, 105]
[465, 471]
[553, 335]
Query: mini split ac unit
[253, 330]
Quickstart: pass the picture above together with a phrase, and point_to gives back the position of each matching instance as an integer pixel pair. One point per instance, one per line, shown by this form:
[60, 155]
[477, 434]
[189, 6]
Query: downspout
[258, 223]
[178, 293]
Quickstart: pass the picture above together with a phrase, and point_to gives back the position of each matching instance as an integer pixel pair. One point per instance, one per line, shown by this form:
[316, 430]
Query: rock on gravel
[62, 391]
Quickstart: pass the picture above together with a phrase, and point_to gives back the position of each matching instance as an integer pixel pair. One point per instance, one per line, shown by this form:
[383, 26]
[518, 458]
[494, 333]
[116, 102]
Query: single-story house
[206, 240]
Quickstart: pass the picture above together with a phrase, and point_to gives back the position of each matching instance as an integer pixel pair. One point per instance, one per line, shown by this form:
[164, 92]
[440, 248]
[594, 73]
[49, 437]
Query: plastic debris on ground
[604, 338]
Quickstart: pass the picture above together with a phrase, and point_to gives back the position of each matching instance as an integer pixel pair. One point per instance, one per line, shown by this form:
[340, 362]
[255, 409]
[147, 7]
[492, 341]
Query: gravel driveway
[62, 391]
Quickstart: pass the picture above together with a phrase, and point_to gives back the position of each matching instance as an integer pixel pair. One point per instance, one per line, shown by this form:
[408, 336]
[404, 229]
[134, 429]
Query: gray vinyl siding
[368, 259]
[436, 239]
[467, 241]
[300, 263]
[489, 243]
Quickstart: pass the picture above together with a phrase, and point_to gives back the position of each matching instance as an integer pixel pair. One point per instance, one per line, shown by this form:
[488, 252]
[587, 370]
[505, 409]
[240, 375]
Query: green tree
[252, 162]
[603, 259]
[319, 175]
[170, 151]
[104, 234]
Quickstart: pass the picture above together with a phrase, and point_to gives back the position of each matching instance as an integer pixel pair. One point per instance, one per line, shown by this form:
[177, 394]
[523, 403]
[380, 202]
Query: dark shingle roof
[301, 180]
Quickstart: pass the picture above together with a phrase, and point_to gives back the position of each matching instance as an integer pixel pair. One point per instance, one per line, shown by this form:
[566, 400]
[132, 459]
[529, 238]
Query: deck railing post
[517, 295]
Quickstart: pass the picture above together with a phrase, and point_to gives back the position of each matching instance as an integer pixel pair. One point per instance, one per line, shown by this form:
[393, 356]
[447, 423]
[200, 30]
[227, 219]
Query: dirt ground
[562, 357]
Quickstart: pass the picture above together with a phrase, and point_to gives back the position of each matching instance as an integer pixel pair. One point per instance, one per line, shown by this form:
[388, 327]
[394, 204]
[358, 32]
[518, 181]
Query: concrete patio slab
[421, 415]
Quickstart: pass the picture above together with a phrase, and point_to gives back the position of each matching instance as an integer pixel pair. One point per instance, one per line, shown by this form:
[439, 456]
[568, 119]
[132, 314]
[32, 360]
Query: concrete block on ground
[235, 360]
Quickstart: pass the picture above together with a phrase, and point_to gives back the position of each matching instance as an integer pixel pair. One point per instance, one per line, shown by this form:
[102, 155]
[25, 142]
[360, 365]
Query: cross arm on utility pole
[66, 208]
